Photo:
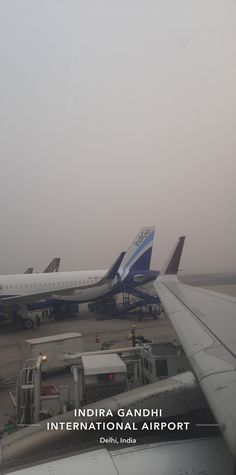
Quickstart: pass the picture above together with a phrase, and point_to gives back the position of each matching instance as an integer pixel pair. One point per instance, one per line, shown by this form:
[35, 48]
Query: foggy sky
[115, 115]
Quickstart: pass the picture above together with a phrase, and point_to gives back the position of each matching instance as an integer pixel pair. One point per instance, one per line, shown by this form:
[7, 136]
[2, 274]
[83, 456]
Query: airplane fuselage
[84, 284]
[50, 289]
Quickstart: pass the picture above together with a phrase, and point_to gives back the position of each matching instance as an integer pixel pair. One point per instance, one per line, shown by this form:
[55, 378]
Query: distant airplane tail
[29, 270]
[138, 256]
[53, 266]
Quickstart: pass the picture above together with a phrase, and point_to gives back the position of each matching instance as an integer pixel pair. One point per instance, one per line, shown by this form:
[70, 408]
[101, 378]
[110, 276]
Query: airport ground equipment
[130, 299]
[102, 376]
[26, 320]
[65, 311]
[162, 360]
[97, 375]
[176, 396]
[28, 392]
[149, 295]
[54, 347]
[144, 364]
[34, 401]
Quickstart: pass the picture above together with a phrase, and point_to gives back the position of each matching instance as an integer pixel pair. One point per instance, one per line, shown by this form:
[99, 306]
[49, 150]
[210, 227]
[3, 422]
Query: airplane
[80, 286]
[205, 323]
[53, 266]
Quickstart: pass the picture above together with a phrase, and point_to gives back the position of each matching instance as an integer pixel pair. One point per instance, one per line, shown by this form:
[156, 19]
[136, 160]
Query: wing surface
[205, 323]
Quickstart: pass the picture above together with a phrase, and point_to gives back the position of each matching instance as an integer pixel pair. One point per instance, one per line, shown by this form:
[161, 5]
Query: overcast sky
[115, 114]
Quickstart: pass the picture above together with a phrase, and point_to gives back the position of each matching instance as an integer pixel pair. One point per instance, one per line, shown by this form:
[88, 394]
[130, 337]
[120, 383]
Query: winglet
[172, 266]
[112, 271]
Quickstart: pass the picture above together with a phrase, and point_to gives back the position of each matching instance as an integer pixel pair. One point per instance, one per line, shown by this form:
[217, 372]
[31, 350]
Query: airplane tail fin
[172, 266]
[112, 271]
[29, 270]
[53, 266]
[138, 256]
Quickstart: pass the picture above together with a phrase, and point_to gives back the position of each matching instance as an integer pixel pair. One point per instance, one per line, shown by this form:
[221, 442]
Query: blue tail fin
[138, 255]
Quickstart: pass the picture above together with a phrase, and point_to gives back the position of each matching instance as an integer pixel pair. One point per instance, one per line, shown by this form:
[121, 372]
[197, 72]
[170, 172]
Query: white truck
[53, 347]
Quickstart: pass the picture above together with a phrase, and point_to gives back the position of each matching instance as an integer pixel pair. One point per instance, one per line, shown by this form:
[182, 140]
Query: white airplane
[205, 323]
[80, 286]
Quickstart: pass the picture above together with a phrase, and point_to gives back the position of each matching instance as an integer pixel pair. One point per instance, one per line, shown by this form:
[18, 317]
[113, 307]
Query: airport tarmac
[88, 324]
[113, 331]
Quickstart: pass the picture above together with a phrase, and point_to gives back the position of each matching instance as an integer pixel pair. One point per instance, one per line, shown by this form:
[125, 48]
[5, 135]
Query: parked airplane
[53, 266]
[80, 286]
[206, 327]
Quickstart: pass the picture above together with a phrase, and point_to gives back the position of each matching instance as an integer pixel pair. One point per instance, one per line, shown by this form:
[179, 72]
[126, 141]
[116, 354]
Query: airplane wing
[205, 323]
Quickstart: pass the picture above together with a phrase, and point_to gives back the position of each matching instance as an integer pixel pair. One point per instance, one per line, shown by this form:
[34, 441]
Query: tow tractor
[26, 320]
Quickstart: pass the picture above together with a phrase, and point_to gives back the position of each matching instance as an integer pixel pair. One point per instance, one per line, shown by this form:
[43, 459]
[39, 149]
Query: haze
[115, 115]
